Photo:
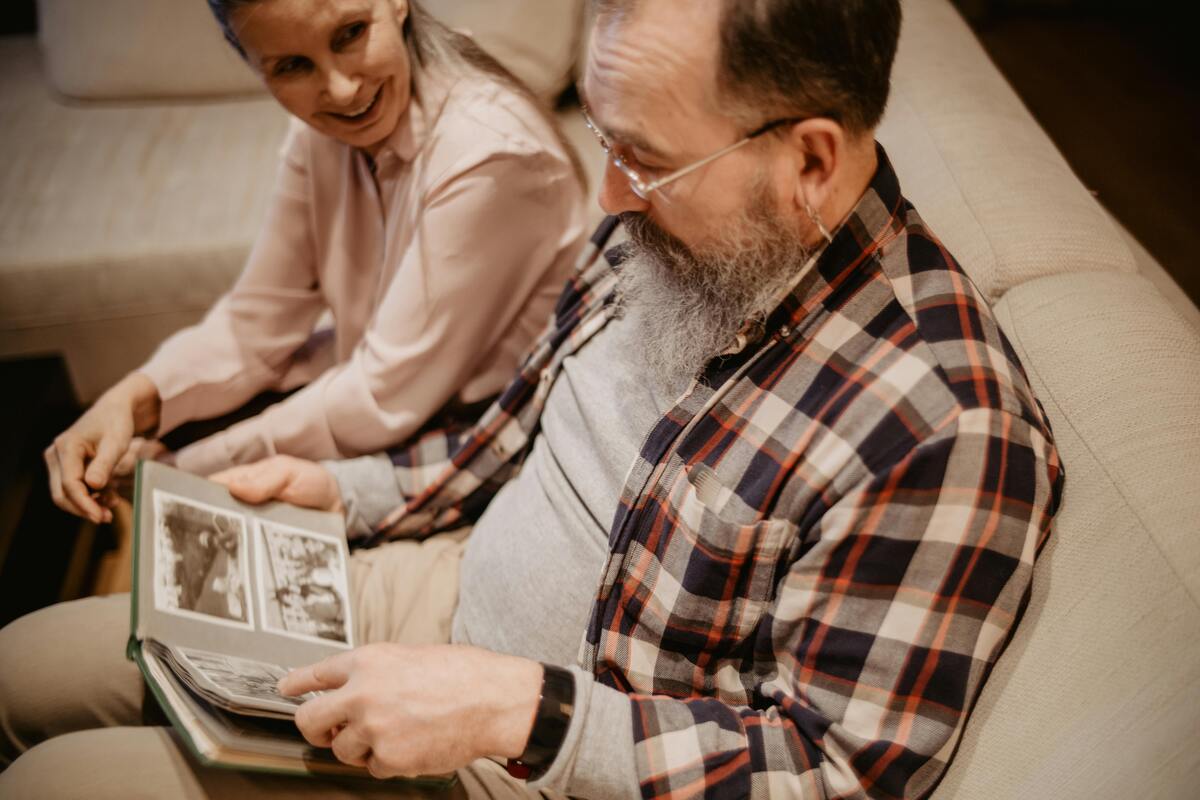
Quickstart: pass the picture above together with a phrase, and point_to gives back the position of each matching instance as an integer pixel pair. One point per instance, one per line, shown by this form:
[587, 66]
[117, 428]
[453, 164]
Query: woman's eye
[287, 66]
[349, 33]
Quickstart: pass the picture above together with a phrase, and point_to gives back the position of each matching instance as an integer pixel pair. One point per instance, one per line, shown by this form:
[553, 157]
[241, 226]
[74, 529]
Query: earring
[816, 220]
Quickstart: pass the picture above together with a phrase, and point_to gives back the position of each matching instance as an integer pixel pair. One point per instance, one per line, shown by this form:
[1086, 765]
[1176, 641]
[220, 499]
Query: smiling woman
[425, 202]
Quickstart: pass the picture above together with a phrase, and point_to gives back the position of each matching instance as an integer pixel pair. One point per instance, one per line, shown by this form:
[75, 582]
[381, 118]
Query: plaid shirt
[822, 549]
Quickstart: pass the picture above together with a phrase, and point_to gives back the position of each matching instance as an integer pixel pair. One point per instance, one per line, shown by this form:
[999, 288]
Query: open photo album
[228, 597]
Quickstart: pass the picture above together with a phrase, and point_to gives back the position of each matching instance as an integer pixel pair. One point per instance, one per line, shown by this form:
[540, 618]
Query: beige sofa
[128, 221]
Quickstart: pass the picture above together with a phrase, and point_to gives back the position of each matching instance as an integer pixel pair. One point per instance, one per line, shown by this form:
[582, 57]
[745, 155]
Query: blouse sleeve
[491, 238]
[246, 341]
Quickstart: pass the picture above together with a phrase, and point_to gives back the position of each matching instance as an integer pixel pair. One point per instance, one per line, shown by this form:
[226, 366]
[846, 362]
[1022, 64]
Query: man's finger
[322, 719]
[255, 483]
[331, 673]
[350, 747]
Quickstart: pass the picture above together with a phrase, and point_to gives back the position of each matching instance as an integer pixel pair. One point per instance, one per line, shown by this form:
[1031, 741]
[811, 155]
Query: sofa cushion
[537, 40]
[1097, 695]
[120, 49]
[111, 213]
[980, 170]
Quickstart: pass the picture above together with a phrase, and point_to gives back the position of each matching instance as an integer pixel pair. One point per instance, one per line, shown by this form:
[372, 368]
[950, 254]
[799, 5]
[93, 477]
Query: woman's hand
[292, 480]
[81, 460]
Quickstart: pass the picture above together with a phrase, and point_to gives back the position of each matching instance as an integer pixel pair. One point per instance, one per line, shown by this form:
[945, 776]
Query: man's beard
[690, 303]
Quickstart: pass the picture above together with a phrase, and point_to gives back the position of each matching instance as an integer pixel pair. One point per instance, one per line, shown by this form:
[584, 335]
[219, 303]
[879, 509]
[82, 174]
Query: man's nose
[341, 87]
[616, 195]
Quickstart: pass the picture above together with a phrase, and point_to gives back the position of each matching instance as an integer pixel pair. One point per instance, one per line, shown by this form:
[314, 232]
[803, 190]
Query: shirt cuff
[597, 758]
[369, 492]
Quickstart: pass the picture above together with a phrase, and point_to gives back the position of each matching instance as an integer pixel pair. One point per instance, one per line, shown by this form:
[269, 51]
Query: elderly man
[757, 516]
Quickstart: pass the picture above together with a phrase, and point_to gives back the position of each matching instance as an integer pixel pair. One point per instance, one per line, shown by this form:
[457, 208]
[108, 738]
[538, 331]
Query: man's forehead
[658, 60]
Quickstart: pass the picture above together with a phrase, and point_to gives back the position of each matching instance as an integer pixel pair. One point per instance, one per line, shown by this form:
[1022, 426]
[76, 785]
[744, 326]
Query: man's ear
[819, 147]
[401, 7]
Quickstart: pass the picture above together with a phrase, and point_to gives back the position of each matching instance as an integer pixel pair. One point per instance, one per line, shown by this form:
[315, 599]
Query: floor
[1116, 91]
[1119, 93]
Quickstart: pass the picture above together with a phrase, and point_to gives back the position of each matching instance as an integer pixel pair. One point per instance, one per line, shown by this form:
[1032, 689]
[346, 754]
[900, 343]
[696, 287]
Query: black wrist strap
[555, 708]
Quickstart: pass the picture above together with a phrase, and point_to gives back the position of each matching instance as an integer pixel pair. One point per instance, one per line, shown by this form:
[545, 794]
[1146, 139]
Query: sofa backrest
[172, 49]
[1098, 694]
[978, 167]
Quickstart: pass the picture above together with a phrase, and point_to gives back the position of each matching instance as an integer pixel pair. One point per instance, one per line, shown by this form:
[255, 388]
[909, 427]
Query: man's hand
[292, 480]
[423, 710]
[81, 460]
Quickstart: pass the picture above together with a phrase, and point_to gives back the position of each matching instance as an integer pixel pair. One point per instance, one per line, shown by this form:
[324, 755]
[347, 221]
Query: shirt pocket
[718, 570]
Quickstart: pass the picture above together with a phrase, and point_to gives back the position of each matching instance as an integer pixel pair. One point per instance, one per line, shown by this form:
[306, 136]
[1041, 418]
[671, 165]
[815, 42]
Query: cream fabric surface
[125, 49]
[980, 170]
[111, 49]
[109, 213]
[1098, 696]
[536, 39]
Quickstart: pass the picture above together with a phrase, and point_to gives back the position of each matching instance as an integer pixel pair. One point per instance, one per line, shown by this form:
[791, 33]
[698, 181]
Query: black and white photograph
[302, 577]
[241, 678]
[200, 561]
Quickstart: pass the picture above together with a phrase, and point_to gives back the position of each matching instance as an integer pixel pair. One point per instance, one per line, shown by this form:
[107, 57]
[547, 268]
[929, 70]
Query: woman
[423, 199]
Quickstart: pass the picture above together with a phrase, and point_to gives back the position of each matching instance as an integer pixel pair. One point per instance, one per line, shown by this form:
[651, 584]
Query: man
[771, 488]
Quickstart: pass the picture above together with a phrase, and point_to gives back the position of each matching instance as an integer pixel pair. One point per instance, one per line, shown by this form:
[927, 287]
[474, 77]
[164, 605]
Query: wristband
[555, 707]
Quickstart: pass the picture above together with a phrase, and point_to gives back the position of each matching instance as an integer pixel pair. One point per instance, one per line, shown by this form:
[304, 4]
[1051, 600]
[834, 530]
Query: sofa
[132, 192]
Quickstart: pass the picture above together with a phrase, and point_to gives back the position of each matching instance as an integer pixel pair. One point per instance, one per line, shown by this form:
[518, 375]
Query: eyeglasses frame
[644, 189]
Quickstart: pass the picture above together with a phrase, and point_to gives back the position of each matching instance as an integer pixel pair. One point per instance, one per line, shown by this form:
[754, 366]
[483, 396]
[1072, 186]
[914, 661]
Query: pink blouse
[440, 263]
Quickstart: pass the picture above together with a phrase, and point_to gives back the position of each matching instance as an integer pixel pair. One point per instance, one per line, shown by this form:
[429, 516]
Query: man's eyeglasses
[644, 188]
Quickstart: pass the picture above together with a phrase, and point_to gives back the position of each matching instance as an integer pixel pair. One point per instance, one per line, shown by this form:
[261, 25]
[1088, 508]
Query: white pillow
[123, 49]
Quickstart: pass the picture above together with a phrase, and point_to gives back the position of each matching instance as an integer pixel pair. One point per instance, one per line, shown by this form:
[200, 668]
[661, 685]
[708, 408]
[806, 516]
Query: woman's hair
[431, 42]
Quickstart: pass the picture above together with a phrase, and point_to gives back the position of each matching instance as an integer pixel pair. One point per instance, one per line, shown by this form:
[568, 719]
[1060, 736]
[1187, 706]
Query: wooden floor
[1119, 93]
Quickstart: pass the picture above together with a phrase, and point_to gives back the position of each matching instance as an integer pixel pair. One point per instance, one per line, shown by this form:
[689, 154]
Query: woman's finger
[56, 489]
[112, 446]
[70, 462]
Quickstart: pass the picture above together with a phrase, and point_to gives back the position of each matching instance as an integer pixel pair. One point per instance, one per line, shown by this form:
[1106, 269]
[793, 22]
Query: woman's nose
[341, 87]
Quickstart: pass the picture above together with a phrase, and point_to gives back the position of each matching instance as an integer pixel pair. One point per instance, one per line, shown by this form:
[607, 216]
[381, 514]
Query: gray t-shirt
[532, 565]
[533, 561]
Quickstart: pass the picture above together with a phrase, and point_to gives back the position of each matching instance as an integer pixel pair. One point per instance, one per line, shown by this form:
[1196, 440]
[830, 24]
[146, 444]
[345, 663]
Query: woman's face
[339, 65]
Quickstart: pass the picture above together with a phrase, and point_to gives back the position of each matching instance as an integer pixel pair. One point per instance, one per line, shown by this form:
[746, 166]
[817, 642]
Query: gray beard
[689, 303]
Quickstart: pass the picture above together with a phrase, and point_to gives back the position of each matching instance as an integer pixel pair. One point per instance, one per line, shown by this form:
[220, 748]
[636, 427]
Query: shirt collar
[868, 226]
[873, 222]
[430, 90]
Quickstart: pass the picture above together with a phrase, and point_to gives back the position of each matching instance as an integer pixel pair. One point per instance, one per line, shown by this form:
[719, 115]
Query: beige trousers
[76, 720]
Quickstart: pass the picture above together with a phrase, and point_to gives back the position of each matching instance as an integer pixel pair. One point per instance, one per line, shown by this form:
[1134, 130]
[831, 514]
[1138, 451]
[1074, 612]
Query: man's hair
[779, 58]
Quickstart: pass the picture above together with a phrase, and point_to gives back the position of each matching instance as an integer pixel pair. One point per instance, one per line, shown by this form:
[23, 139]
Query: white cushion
[111, 49]
[979, 169]
[1098, 694]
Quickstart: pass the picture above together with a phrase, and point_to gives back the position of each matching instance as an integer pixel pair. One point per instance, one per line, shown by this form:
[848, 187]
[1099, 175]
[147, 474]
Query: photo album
[227, 597]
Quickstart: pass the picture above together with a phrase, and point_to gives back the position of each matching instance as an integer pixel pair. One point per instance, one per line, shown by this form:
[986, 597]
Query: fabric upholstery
[536, 39]
[980, 170]
[113, 49]
[108, 213]
[122, 49]
[1099, 692]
